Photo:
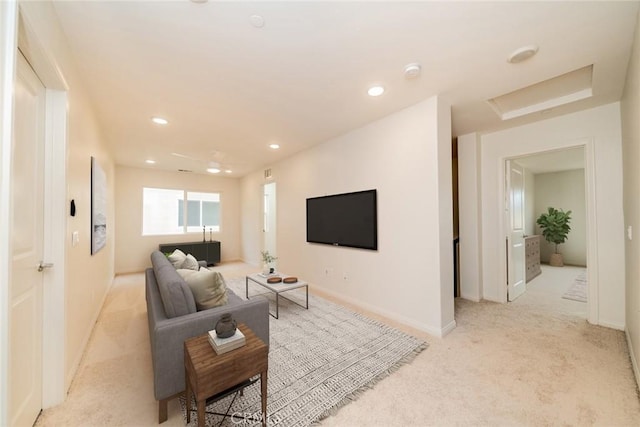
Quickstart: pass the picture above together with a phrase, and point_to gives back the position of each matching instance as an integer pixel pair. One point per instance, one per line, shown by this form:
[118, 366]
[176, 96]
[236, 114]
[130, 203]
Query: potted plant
[555, 228]
[267, 259]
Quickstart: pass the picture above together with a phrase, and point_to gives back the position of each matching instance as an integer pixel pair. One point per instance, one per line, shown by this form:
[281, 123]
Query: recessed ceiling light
[522, 54]
[375, 90]
[228, 171]
[274, 146]
[213, 170]
[149, 161]
[159, 120]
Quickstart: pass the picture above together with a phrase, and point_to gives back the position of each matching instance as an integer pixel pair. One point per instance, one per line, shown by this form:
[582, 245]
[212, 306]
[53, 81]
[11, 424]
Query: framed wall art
[98, 207]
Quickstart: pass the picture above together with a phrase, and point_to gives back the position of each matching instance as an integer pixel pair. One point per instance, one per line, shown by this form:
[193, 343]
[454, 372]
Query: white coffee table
[278, 289]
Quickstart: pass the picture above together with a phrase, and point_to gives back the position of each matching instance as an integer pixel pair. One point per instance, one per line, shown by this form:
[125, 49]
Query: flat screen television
[349, 219]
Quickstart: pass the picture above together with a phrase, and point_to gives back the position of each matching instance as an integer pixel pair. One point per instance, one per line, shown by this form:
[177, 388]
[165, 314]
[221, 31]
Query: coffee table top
[276, 287]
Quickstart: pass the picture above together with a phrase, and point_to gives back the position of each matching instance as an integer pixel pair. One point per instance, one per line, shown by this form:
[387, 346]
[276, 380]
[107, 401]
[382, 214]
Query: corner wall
[133, 249]
[630, 107]
[405, 156]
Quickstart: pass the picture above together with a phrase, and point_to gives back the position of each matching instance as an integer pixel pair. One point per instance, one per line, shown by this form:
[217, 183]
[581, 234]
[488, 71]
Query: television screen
[348, 219]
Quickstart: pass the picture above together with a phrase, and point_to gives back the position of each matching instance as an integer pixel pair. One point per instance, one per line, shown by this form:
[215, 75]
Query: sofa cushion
[177, 258]
[190, 263]
[208, 287]
[176, 295]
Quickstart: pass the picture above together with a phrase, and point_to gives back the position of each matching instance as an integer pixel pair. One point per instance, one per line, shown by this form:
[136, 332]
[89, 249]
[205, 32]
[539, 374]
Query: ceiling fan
[213, 166]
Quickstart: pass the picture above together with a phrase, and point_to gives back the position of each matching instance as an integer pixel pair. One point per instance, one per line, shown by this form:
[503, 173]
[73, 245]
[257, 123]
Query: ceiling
[554, 161]
[230, 88]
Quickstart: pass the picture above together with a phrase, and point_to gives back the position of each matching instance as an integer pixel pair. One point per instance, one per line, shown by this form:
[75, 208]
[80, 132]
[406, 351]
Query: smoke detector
[522, 53]
[411, 71]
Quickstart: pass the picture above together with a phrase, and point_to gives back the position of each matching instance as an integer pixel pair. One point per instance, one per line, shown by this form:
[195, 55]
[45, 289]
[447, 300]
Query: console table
[207, 251]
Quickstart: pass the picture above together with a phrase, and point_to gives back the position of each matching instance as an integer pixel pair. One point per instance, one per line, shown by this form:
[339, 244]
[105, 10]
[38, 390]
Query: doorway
[27, 247]
[269, 219]
[555, 179]
[53, 168]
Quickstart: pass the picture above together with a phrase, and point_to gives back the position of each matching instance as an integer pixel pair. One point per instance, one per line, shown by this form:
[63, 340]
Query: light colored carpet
[319, 360]
[527, 363]
[578, 289]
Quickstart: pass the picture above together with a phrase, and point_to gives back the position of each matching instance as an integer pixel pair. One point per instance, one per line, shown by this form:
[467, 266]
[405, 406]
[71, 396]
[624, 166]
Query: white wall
[470, 217]
[599, 129]
[564, 190]
[133, 249]
[630, 107]
[407, 158]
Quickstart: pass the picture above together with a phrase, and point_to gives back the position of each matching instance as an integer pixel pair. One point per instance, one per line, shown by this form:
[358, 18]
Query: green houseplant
[555, 229]
[267, 259]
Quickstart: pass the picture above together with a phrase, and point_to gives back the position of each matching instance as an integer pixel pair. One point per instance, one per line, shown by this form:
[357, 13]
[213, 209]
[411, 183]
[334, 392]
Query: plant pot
[555, 260]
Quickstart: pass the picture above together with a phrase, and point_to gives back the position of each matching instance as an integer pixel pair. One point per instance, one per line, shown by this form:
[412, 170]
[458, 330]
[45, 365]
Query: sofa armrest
[170, 334]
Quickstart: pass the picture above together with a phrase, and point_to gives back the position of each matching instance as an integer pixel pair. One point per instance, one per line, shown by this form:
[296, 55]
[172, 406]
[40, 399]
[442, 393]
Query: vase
[226, 326]
[556, 260]
[266, 268]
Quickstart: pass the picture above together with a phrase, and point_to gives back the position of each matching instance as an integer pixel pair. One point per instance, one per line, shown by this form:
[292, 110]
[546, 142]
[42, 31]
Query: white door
[269, 226]
[27, 227]
[515, 239]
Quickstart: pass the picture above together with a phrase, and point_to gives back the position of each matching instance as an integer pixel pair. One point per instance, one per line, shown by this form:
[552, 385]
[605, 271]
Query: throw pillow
[190, 263]
[177, 258]
[208, 287]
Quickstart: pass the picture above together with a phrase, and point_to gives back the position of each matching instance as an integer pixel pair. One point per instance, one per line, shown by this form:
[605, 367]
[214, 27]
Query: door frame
[273, 219]
[19, 33]
[592, 247]
[508, 213]
[8, 46]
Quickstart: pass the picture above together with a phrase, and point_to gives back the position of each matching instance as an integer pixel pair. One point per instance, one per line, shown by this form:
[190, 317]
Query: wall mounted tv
[349, 219]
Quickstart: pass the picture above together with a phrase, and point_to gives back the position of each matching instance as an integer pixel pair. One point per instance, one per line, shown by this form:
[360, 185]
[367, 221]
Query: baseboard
[611, 325]
[632, 356]
[389, 315]
[474, 298]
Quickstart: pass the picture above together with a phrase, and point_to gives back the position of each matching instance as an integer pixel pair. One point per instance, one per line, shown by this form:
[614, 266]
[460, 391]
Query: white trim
[8, 46]
[592, 247]
[593, 302]
[632, 355]
[53, 379]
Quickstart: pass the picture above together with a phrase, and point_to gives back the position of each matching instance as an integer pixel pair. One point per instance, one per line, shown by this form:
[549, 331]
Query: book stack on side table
[223, 345]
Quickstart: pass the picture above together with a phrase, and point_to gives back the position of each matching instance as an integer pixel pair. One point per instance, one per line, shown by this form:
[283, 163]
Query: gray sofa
[173, 318]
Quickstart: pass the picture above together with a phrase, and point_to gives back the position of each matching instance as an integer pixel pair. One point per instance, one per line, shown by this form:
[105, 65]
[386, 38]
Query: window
[165, 210]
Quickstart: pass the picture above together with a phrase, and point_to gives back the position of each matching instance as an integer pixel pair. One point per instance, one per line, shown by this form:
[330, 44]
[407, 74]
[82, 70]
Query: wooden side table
[208, 373]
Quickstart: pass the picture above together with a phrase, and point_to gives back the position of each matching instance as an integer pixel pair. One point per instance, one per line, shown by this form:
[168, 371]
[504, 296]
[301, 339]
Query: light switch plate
[75, 238]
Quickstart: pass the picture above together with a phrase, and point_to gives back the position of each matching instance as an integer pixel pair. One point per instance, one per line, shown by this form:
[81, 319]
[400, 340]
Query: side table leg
[263, 396]
[201, 412]
[187, 396]
[246, 286]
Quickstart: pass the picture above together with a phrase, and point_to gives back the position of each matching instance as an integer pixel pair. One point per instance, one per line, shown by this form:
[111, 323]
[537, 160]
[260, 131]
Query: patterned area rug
[578, 289]
[319, 360]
